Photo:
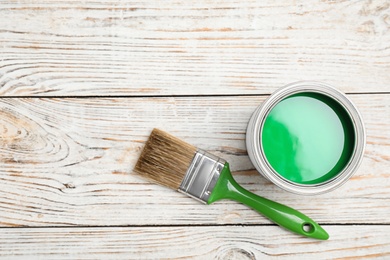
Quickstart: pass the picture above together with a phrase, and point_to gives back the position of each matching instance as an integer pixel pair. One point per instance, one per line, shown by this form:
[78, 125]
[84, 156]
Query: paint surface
[308, 138]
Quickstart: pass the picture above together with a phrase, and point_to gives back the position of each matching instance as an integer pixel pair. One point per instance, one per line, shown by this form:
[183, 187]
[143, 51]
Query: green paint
[308, 138]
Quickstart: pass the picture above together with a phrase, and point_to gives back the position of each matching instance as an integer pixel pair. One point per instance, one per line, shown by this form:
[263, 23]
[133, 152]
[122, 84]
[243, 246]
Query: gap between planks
[189, 225]
[171, 96]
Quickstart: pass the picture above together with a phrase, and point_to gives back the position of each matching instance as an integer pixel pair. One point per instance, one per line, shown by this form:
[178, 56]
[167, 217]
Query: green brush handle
[291, 219]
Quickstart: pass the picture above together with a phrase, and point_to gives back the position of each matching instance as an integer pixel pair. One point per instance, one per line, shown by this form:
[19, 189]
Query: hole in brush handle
[308, 227]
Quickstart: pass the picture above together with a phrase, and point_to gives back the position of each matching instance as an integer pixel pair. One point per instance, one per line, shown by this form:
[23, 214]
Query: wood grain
[224, 242]
[82, 83]
[68, 161]
[84, 48]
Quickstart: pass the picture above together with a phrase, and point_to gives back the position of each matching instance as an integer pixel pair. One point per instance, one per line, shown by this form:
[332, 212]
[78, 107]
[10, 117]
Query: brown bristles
[165, 159]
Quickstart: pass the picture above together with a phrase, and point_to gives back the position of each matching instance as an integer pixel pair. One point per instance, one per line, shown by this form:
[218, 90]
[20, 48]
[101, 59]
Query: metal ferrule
[201, 176]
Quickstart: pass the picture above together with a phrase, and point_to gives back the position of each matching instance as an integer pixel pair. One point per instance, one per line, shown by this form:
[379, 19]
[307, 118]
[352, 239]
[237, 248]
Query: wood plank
[220, 242]
[64, 48]
[67, 161]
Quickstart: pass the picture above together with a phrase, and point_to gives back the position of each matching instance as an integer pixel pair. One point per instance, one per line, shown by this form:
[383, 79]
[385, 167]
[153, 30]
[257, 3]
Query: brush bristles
[165, 159]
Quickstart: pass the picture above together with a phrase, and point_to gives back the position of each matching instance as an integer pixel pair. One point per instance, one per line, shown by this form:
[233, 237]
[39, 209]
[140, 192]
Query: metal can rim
[256, 153]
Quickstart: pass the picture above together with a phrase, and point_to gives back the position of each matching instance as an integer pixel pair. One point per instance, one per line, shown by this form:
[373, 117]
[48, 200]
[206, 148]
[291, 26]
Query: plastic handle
[291, 219]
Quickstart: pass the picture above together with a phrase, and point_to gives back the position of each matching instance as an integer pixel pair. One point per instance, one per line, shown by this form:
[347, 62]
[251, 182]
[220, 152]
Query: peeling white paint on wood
[197, 69]
[69, 162]
[219, 242]
[191, 47]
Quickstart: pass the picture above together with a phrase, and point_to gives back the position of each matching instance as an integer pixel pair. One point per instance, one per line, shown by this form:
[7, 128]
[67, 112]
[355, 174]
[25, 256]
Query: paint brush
[171, 162]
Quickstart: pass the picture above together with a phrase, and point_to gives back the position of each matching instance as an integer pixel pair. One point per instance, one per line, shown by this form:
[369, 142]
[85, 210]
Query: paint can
[307, 138]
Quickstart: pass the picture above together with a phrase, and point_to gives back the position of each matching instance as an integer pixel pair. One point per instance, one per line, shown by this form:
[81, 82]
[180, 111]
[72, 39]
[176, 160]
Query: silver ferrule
[201, 176]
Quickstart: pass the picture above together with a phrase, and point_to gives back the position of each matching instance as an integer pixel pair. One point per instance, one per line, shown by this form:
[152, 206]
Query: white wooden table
[82, 83]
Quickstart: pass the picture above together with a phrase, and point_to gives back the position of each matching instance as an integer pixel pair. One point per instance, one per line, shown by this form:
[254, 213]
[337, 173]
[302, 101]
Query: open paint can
[307, 138]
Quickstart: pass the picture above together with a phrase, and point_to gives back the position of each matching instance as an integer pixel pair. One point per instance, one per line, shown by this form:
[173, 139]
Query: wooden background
[82, 83]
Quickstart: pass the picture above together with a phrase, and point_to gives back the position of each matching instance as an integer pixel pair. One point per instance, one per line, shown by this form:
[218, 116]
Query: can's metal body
[257, 155]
